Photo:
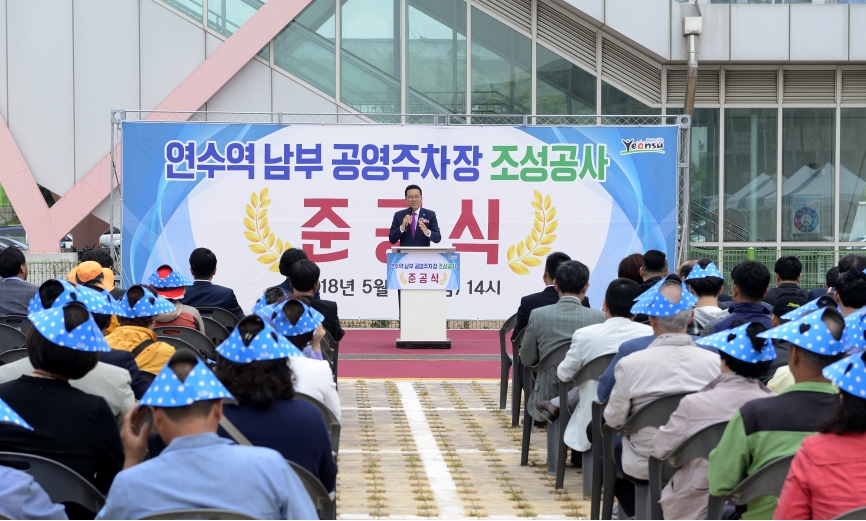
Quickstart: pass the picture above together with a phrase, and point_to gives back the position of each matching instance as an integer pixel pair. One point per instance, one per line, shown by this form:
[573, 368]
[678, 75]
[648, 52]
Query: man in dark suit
[787, 270]
[15, 293]
[414, 226]
[543, 298]
[203, 292]
[304, 276]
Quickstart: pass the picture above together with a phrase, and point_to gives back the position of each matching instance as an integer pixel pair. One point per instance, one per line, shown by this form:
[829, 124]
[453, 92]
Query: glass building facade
[770, 175]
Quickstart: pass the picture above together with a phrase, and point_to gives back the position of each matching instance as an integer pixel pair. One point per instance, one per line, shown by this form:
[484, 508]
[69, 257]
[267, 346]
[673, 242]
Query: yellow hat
[92, 272]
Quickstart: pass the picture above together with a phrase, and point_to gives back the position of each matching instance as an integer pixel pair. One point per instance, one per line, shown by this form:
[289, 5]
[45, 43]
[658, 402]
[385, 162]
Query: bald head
[672, 291]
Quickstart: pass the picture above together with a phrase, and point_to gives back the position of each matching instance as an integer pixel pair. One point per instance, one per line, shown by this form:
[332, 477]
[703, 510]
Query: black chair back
[331, 420]
[325, 505]
[506, 360]
[19, 322]
[61, 483]
[226, 318]
[13, 355]
[517, 378]
[766, 481]
[214, 330]
[552, 359]
[10, 338]
[194, 338]
[857, 513]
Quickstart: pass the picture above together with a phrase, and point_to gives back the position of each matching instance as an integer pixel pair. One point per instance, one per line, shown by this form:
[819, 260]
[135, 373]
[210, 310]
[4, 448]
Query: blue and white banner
[504, 197]
[419, 270]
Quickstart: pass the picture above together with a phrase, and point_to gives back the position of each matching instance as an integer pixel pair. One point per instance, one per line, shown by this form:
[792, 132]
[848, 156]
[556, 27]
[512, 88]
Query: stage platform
[373, 353]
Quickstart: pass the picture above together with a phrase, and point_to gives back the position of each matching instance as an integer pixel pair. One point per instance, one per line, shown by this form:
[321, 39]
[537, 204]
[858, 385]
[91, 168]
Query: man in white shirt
[589, 343]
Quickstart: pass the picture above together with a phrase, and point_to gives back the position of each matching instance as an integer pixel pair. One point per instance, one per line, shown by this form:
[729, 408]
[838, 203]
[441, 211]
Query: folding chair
[653, 414]
[506, 360]
[10, 338]
[199, 513]
[329, 352]
[214, 330]
[13, 355]
[517, 380]
[857, 513]
[331, 421]
[324, 501]
[551, 359]
[194, 338]
[61, 483]
[225, 318]
[19, 322]
[589, 372]
[766, 481]
[699, 445]
[597, 455]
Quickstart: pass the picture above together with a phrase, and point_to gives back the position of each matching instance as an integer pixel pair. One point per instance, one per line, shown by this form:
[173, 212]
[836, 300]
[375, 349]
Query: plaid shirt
[549, 327]
[15, 296]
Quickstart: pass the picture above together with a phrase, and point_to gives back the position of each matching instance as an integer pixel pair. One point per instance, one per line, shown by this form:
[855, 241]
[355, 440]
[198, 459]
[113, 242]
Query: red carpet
[372, 353]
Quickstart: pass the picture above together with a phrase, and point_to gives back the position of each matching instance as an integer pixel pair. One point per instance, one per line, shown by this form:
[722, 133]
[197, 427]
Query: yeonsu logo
[656, 145]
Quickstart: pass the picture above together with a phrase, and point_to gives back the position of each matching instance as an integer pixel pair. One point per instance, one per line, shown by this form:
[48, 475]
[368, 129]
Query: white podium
[423, 321]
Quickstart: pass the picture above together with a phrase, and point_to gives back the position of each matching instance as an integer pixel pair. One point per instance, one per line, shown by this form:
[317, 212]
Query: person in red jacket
[828, 474]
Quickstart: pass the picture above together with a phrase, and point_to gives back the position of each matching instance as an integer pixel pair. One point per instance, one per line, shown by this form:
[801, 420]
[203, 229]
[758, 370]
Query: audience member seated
[287, 260]
[312, 377]
[171, 285]
[104, 259]
[301, 325]
[543, 298]
[654, 269]
[851, 291]
[671, 364]
[551, 326]
[110, 379]
[744, 357]
[607, 380]
[305, 281]
[252, 365]
[630, 267]
[751, 280]
[15, 292]
[70, 426]
[137, 312]
[705, 282]
[829, 284]
[787, 272]
[198, 469]
[828, 474]
[783, 306]
[20, 496]
[92, 275]
[271, 296]
[587, 344]
[766, 429]
[204, 293]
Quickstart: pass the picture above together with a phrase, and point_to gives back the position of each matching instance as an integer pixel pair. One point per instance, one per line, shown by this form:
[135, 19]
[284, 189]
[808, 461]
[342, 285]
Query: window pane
[750, 174]
[704, 177]
[192, 8]
[618, 103]
[852, 190]
[225, 16]
[436, 57]
[808, 148]
[562, 87]
[370, 66]
[306, 47]
[501, 68]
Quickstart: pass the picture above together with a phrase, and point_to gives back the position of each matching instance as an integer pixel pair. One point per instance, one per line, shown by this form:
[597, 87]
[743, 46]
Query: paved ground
[442, 449]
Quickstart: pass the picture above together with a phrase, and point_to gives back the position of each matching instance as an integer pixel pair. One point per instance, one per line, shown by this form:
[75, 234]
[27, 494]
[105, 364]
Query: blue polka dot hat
[854, 336]
[97, 301]
[168, 282]
[699, 273]
[71, 293]
[849, 374]
[657, 305]
[737, 344]
[262, 303]
[309, 321]
[148, 306]
[51, 324]
[821, 303]
[167, 390]
[267, 344]
[809, 333]
[7, 415]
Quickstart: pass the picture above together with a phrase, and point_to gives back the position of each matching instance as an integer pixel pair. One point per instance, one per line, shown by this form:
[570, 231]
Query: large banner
[504, 197]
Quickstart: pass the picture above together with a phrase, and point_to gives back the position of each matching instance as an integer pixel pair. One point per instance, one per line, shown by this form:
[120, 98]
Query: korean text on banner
[424, 271]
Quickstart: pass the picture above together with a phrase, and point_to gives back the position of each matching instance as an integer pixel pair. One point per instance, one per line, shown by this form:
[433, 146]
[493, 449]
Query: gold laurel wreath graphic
[443, 279]
[524, 254]
[403, 279]
[264, 242]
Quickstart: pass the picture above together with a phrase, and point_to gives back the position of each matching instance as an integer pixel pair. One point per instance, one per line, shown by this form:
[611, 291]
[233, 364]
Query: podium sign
[424, 270]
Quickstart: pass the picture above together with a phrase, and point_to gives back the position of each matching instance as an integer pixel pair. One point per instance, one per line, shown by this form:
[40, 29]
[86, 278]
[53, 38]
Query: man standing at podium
[414, 226]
